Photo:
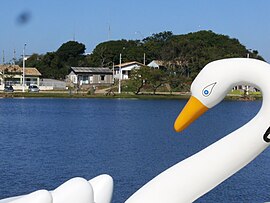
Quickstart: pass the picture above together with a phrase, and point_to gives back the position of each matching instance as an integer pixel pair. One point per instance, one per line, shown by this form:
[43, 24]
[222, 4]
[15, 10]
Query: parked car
[33, 88]
[8, 88]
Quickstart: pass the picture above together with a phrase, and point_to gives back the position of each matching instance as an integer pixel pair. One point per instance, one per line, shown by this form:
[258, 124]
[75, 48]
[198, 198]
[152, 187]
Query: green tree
[70, 50]
[154, 44]
[138, 79]
[57, 64]
[192, 51]
[178, 83]
[107, 53]
[146, 76]
[155, 79]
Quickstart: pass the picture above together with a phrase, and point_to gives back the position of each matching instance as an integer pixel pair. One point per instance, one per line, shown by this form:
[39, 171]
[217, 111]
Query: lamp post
[247, 87]
[120, 74]
[23, 79]
[120, 71]
[113, 71]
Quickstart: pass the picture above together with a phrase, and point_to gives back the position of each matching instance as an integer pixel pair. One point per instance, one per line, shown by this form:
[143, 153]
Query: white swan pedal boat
[193, 177]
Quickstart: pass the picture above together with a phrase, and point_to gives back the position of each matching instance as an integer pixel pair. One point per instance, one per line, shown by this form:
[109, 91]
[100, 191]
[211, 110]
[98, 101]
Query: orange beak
[193, 110]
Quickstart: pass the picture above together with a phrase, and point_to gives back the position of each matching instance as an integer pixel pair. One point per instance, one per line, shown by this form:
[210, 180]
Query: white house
[158, 64]
[126, 69]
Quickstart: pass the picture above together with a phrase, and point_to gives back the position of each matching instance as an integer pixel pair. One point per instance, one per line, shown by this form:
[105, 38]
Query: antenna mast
[3, 57]
[109, 32]
[14, 57]
[74, 32]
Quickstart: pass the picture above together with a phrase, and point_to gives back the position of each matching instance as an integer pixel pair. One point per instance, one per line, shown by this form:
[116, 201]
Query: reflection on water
[44, 142]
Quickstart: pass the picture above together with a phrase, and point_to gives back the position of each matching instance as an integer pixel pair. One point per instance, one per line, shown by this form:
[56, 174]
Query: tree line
[184, 54]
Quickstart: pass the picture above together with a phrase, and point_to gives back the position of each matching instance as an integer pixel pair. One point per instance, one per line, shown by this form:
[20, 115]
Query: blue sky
[53, 22]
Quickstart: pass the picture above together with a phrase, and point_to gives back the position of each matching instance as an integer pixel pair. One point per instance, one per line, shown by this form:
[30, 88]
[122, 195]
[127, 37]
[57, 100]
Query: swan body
[103, 188]
[79, 190]
[75, 190]
[40, 196]
[198, 174]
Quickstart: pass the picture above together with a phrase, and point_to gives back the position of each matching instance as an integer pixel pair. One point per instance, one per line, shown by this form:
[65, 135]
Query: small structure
[157, 64]
[172, 65]
[126, 69]
[13, 75]
[90, 76]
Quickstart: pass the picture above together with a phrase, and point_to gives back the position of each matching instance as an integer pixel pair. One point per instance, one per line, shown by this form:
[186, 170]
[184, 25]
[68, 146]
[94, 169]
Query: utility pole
[143, 58]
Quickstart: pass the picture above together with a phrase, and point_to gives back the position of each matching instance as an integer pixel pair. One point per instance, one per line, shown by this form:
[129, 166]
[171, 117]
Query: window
[102, 77]
[85, 79]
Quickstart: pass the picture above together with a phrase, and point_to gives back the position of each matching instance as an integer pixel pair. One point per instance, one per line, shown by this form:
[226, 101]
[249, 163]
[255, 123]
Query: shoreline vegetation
[145, 95]
[177, 61]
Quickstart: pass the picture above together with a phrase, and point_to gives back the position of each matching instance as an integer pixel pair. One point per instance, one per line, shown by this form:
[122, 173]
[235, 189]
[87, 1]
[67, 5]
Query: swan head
[208, 89]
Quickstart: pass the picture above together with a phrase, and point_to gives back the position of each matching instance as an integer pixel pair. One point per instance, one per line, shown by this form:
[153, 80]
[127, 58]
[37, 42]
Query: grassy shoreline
[85, 95]
[66, 94]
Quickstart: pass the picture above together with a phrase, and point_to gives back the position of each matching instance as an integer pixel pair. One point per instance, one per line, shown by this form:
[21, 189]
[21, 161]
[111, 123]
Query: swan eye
[266, 134]
[208, 89]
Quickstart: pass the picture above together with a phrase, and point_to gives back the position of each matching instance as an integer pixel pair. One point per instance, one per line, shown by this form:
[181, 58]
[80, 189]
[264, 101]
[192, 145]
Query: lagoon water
[45, 142]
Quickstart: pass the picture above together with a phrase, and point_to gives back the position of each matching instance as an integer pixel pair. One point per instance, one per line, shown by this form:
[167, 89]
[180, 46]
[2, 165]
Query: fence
[53, 84]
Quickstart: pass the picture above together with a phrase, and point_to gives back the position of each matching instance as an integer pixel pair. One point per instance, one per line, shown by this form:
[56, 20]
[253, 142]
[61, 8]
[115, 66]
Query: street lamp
[23, 79]
[120, 74]
[247, 87]
[113, 71]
